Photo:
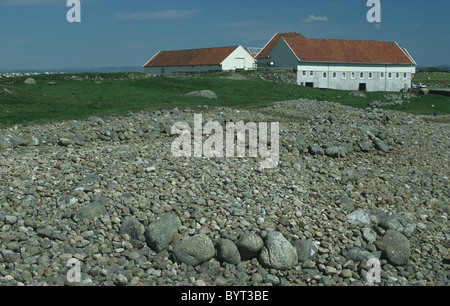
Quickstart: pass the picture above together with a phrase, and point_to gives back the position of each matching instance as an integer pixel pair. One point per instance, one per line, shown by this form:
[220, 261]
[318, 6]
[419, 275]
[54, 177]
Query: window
[404, 75]
[390, 75]
[397, 75]
[361, 75]
[311, 73]
[353, 75]
[344, 75]
[304, 73]
[324, 75]
[382, 75]
[334, 75]
[370, 75]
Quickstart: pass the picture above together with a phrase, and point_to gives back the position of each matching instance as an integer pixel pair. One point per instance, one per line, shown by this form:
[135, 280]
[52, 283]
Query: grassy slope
[120, 94]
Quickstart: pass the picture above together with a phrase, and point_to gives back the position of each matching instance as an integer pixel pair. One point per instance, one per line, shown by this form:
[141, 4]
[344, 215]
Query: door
[240, 63]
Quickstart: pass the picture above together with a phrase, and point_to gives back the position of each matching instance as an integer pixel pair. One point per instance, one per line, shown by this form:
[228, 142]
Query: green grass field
[75, 97]
[434, 78]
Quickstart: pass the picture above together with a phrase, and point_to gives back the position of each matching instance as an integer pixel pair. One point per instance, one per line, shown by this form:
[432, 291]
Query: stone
[315, 149]
[380, 145]
[195, 250]
[357, 94]
[52, 234]
[64, 142]
[133, 228]
[90, 211]
[395, 247]
[8, 141]
[30, 81]
[306, 249]
[121, 280]
[10, 256]
[250, 245]
[227, 251]
[160, 233]
[278, 252]
[66, 200]
[400, 224]
[346, 273]
[333, 152]
[365, 146]
[208, 94]
[359, 254]
[359, 216]
[368, 235]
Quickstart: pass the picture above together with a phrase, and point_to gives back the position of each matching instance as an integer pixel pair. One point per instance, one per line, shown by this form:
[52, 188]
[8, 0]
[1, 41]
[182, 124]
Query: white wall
[377, 77]
[239, 59]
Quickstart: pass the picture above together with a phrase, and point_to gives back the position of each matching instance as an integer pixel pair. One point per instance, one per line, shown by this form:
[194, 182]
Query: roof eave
[407, 54]
[358, 63]
[148, 62]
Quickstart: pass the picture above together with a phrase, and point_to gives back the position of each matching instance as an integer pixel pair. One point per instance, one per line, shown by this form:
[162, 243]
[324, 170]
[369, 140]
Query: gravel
[351, 185]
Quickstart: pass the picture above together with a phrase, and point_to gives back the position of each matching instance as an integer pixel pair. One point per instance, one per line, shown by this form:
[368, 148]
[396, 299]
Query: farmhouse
[341, 64]
[201, 60]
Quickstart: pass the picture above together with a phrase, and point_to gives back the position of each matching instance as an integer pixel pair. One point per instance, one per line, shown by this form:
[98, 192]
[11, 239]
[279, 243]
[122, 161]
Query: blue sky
[35, 34]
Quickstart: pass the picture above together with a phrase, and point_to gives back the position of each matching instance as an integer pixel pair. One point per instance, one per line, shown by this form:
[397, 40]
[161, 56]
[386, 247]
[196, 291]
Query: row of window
[362, 75]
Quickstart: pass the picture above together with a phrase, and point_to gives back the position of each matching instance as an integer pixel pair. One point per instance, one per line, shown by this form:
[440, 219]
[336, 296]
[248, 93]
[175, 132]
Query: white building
[341, 64]
[234, 58]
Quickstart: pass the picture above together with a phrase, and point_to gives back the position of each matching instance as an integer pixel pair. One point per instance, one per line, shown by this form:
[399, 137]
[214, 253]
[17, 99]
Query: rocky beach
[351, 186]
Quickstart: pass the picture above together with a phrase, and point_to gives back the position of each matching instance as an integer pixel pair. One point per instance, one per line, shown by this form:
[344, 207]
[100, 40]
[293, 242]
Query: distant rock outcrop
[208, 94]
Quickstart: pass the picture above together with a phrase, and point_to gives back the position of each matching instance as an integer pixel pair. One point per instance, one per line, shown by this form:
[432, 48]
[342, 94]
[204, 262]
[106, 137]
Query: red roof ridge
[265, 52]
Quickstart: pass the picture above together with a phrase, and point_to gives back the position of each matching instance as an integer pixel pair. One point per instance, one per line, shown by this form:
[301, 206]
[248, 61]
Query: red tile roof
[341, 51]
[265, 52]
[193, 57]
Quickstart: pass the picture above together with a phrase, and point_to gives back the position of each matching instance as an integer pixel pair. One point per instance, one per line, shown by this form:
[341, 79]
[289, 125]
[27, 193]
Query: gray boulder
[395, 247]
[8, 141]
[306, 249]
[250, 245]
[133, 228]
[359, 254]
[278, 252]
[315, 149]
[194, 250]
[359, 216]
[208, 94]
[160, 233]
[228, 252]
[400, 224]
[380, 145]
[357, 94]
[90, 211]
[365, 146]
[30, 81]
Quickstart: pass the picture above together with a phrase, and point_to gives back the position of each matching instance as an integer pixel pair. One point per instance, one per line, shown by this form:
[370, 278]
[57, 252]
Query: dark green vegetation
[443, 68]
[65, 97]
